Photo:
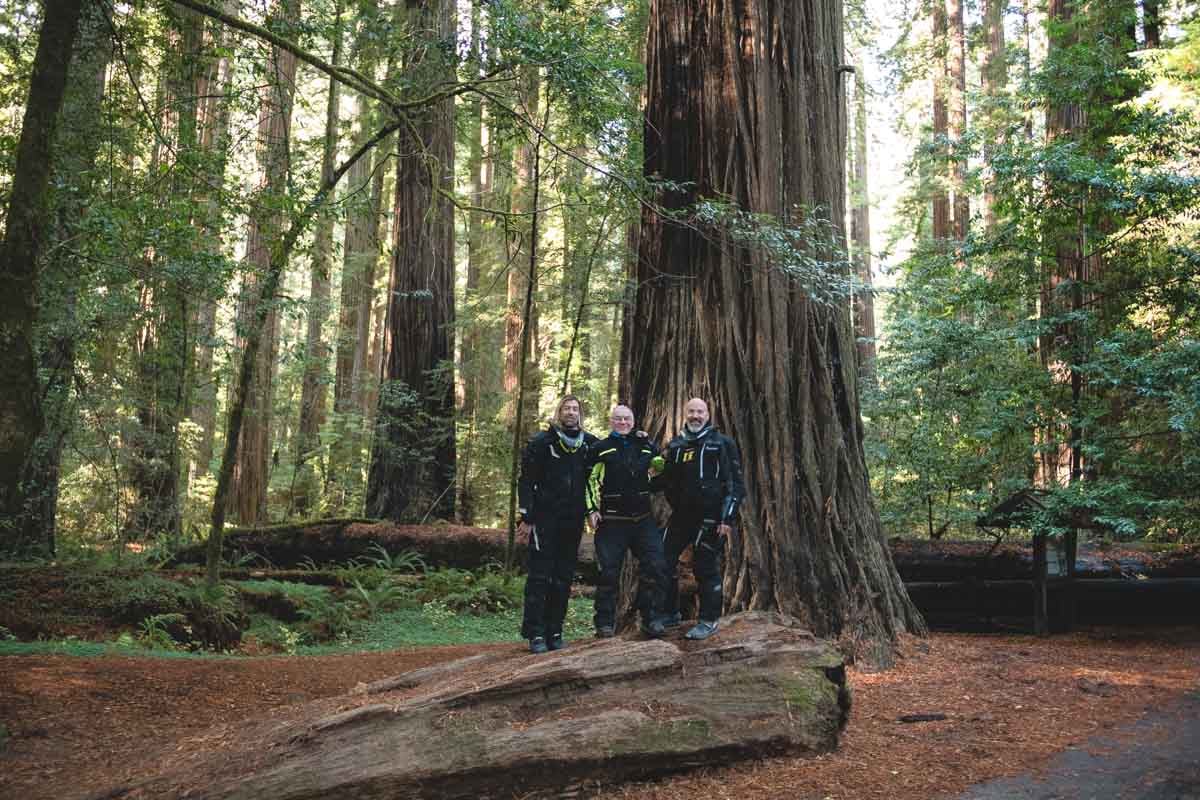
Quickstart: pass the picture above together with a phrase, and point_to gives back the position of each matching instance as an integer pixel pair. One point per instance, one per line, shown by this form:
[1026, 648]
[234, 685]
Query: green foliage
[483, 592]
[155, 631]
[1070, 322]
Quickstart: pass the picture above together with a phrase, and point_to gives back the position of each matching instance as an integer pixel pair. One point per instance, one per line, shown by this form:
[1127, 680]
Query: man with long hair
[550, 496]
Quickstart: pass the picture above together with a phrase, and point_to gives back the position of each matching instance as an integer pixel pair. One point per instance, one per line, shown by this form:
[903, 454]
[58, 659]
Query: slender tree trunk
[525, 215]
[860, 237]
[472, 352]
[941, 126]
[363, 202]
[1151, 24]
[316, 356]
[21, 415]
[756, 114]
[215, 105]
[249, 495]
[957, 63]
[413, 455]
[995, 79]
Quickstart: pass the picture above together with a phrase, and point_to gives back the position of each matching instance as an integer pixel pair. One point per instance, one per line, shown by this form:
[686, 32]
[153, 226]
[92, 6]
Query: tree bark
[21, 415]
[995, 79]
[958, 118]
[361, 250]
[524, 214]
[316, 356]
[498, 725]
[65, 271]
[215, 109]
[757, 116]
[166, 340]
[249, 496]
[941, 126]
[860, 237]
[1151, 24]
[413, 456]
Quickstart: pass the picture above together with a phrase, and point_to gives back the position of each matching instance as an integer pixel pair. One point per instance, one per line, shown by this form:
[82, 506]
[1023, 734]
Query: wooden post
[1070, 606]
[1040, 623]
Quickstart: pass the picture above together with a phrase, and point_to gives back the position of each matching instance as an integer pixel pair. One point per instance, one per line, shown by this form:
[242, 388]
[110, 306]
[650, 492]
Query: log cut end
[499, 725]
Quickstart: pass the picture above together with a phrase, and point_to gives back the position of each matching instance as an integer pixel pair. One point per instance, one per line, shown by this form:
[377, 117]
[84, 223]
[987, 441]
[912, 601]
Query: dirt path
[1155, 758]
[81, 725]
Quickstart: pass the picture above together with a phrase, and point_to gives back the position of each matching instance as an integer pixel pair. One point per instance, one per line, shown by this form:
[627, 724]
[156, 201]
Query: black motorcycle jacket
[618, 479]
[703, 473]
[553, 477]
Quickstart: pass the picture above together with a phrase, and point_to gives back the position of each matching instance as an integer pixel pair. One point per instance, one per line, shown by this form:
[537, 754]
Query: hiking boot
[703, 630]
[605, 632]
[556, 641]
[672, 620]
[654, 628]
[538, 645]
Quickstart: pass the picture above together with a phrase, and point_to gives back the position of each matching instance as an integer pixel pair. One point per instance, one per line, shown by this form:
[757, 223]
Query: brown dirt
[76, 724]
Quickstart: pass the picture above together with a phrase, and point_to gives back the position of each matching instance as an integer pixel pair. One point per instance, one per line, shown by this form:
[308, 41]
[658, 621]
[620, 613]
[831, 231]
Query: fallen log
[500, 725]
[919, 560]
[337, 541]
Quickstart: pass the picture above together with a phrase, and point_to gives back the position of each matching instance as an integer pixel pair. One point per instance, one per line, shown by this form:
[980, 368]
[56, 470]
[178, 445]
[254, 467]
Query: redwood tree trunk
[249, 495]
[518, 256]
[957, 63]
[746, 103]
[995, 78]
[860, 236]
[21, 416]
[412, 461]
[316, 356]
[941, 126]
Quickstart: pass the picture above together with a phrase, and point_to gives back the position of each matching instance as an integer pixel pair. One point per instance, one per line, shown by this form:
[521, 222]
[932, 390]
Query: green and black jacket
[553, 479]
[618, 483]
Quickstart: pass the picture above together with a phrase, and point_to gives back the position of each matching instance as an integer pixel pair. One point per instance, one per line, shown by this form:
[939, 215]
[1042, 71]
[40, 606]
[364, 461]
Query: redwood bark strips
[249, 497]
[413, 454]
[21, 416]
[744, 101]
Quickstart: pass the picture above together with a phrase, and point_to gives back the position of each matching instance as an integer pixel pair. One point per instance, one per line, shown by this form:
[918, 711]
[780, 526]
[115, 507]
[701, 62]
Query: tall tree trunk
[747, 105]
[478, 194]
[413, 460]
[21, 415]
[249, 495]
[957, 63]
[524, 213]
[355, 373]
[1063, 120]
[995, 79]
[1151, 24]
[941, 126]
[312, 390]
[860, 236]
[215, 109]
[65, 271]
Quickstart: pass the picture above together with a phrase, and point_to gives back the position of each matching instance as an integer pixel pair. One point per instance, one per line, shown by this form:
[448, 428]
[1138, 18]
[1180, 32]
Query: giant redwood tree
[745, 102]
[413, 453]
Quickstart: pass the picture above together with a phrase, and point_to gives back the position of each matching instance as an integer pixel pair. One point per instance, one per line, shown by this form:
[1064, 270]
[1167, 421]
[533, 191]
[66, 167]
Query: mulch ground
[1009, 704]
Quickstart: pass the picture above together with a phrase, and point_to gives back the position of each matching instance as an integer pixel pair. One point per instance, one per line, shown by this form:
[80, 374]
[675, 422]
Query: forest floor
[73, 726]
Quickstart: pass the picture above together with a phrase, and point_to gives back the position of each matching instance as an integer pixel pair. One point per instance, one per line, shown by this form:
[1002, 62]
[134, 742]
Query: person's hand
[524, 529]
[594, 519]
[724, 529]
[641, 434]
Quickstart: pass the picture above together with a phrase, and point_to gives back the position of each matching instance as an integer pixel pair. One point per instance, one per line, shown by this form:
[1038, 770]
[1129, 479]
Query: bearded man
[702, 481]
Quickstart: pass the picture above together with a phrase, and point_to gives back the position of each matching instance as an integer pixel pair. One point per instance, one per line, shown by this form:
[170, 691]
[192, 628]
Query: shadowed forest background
[1023, 299]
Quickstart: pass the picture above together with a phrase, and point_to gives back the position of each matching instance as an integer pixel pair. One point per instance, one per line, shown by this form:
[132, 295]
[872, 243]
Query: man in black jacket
[618, 502]
[702, 479]
[550, 496]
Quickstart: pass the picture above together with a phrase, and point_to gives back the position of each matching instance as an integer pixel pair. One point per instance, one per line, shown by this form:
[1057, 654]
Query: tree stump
[499, 725]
